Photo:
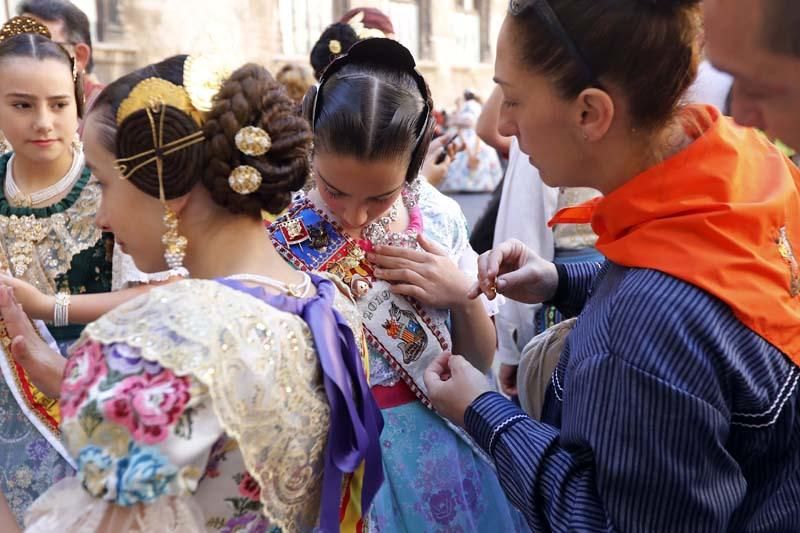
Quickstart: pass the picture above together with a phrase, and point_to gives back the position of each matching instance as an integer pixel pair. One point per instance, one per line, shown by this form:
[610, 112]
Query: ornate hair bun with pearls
[256, 146]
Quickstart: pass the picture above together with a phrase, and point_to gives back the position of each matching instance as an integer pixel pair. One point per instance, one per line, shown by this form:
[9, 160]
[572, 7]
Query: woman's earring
[77, 145]
[174, 242]
[4, 146]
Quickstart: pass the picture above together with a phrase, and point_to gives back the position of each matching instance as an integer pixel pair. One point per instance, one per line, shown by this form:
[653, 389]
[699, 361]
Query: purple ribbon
[356, 421]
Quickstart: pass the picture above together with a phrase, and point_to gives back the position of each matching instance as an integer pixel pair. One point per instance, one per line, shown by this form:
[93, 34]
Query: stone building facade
[453, 40]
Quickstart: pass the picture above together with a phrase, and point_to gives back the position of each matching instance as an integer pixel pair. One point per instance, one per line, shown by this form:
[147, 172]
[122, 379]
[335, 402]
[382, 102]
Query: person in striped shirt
[675, 404]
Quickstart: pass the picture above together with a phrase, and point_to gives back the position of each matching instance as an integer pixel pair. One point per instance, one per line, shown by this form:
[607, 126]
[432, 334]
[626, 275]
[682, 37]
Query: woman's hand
[434, 171]
[45, 366]
[428, 275]
[517, 272]
[453, 384]
[37, 305]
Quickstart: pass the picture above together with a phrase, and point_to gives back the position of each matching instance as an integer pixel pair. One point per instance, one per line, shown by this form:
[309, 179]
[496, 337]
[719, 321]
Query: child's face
[38, 113]
[356, 191]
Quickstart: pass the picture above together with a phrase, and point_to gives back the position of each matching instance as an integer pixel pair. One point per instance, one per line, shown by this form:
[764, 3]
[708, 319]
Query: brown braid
[252, 97]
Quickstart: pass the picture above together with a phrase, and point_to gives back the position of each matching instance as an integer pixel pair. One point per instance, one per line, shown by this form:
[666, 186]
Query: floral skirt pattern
[28, 464]
[434, 482]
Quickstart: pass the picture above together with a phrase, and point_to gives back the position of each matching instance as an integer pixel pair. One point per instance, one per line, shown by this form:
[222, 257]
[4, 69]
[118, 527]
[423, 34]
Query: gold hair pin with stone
[245, 180]
[253, 141]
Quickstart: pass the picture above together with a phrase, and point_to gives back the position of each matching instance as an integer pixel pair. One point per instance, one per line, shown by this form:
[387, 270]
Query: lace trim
[261, 371]
[68, 508]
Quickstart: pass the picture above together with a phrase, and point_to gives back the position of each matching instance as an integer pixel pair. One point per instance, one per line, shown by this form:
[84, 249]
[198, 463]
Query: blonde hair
[296, 79]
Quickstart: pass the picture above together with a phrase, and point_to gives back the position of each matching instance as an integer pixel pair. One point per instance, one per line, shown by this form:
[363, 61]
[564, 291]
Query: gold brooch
[787, 253]
[245, 179]
[253, 141]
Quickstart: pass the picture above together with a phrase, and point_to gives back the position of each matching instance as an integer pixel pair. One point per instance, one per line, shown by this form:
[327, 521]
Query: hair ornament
[22, 25]
[203, 76]
[245, 180]
[150, 92]
[357, 23]
[253, 141]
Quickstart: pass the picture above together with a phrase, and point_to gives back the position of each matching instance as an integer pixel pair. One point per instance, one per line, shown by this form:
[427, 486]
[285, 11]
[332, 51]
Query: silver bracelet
[501, 426]
[61, 310]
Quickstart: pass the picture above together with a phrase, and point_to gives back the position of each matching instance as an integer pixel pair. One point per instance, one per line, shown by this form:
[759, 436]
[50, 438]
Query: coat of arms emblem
[402, 325]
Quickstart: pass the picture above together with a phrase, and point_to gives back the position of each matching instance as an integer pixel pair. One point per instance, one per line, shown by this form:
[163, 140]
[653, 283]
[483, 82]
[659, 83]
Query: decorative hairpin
[253, 141]
[357, 23]
[334, 47]
[245, 180]
[203, 75]
[153, 91]
[22, 25]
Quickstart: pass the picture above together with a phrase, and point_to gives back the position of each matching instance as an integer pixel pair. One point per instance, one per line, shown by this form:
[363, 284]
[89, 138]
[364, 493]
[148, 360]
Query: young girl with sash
[403, 249]
[234, 401]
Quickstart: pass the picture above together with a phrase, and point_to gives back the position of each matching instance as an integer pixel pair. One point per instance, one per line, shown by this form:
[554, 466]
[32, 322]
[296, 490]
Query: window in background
[302, 21]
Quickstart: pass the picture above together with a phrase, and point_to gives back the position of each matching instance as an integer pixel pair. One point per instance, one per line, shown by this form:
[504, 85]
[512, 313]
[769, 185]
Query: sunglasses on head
[546, 14]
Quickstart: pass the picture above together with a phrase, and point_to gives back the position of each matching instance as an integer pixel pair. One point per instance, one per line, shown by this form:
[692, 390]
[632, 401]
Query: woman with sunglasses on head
[675, 405]
[402, 247]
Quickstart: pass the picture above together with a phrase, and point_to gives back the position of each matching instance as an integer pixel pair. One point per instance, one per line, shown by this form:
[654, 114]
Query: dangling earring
[174, 242]
[4, 146]
[77, 145]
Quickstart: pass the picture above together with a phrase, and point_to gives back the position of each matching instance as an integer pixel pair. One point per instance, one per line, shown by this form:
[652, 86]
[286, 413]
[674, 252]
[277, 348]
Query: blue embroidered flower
[38, 449]
[143, 476]
[96, 472]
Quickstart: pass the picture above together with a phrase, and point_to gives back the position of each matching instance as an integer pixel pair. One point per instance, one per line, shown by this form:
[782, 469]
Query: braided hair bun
[252, 97]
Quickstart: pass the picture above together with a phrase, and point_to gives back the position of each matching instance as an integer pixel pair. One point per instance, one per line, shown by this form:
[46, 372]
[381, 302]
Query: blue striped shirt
[665, 413]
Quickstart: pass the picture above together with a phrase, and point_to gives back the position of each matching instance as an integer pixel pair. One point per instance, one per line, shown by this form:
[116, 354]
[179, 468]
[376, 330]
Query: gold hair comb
[203, 76]
[151, 91]
[22, 25]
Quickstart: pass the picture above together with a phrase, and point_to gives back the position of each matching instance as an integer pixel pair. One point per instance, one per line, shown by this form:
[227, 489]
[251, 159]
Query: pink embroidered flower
[85, 367]
[148, 405]
[248, 487]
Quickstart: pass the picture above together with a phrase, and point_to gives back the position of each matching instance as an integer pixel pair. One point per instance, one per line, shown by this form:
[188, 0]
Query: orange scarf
[723, 215]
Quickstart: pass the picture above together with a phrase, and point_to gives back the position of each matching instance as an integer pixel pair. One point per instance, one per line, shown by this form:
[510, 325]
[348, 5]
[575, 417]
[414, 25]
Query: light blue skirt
[434, 482]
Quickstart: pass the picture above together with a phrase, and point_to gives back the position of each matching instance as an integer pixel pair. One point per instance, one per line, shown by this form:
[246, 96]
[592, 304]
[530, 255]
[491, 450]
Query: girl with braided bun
[403, 248]
[674, 405]
[236, 400]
